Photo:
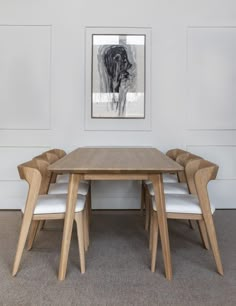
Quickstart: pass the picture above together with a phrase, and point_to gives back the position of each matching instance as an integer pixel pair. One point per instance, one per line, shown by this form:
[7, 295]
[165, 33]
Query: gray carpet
[117, 265]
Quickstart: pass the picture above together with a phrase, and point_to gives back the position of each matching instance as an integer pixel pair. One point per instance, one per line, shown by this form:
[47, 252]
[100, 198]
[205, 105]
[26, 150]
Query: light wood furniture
[115, 164]
[174, 153]
[167, 178]
[44, 160]
[40, 206]
[181, 188]
[50, 157]
[194, 206]
[60, 153]
[59, 178]
[59, 184]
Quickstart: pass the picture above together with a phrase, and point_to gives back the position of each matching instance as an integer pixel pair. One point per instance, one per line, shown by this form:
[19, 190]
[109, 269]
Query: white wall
[42, 86]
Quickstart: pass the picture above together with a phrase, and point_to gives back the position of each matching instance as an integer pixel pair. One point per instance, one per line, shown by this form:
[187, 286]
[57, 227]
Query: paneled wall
[192, 87]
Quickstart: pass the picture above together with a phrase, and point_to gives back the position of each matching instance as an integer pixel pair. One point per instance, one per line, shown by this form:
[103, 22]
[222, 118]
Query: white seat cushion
[62, 188]
[146, 182]
[176, 188]
[64, 178]
[56, 204]
[170, 178]
[167, 178]
[182, 203]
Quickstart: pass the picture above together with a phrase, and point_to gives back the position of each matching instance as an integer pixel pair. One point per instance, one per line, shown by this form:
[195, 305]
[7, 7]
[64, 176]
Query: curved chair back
[174, 153]
[199, 172]
[51, 158]
[182, 159]
[60, 153]
[36, 173]
[29, 172]
[47, 156]
[207, 172]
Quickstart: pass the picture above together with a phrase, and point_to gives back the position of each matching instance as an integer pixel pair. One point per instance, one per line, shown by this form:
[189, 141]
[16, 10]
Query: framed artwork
[117, 78]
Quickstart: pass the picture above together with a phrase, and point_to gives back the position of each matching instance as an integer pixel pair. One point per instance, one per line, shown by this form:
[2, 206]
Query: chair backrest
[182, 159]
[174, 153]
[51, 158]
[60, 153]
[36, 173]
[199, 172]
[47, 156]
[29, 172]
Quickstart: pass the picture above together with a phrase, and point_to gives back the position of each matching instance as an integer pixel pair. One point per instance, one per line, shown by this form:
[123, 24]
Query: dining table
[115, 163]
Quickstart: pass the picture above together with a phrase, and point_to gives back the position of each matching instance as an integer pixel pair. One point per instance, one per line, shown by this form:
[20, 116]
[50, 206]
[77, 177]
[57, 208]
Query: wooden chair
[167, 178]
[64, 178]
[41, 206]
[60, 153]
[55, 187]
[51, 158]
[171, 188]
[173, 154]
[171, 182]
[180, 187]
[62, 188]
[59, 185]
[59, 178]
[194, 206]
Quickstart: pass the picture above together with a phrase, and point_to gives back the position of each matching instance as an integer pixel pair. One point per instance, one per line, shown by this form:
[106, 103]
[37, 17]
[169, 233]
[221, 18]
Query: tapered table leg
[68, 223]
[162, 222]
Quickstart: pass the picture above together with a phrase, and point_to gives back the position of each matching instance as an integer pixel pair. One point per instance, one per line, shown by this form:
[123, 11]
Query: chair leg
[142, 198]
[35, 224]
[80, 233]
[213, 240]
[191, 224]
[203, 234]
[151, 230]
[86, 224]
[147, 205]
[89, 205]
[86, 227]
[41, 225]
[21, 242]
[154, 241]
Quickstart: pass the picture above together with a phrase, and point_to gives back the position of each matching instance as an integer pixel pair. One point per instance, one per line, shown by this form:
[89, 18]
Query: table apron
[115, 177]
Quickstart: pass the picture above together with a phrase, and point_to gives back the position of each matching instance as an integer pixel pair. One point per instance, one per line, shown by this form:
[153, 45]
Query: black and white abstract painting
[118, 76]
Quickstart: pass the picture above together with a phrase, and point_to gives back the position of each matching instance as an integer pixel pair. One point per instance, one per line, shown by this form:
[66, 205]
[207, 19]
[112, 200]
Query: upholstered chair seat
[171, 188]
[56, 204]
[62, 188]
[182, 204]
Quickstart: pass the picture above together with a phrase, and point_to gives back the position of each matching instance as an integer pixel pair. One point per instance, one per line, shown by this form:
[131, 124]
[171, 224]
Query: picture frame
[117, 75]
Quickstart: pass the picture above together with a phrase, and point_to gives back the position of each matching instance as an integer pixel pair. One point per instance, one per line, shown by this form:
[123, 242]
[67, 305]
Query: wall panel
[224, 156]
[25, 90]
[11, 157]
[211, 77]
[222, 193]
[13, 194]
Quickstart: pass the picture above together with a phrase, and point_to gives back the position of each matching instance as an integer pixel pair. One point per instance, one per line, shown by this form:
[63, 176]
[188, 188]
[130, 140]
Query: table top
[104, 160]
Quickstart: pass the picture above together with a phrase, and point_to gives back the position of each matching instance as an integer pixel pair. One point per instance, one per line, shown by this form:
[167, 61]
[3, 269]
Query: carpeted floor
[118, 265]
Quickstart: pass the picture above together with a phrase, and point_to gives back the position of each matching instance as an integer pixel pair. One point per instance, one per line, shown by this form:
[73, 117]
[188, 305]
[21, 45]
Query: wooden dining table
[116, 163]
